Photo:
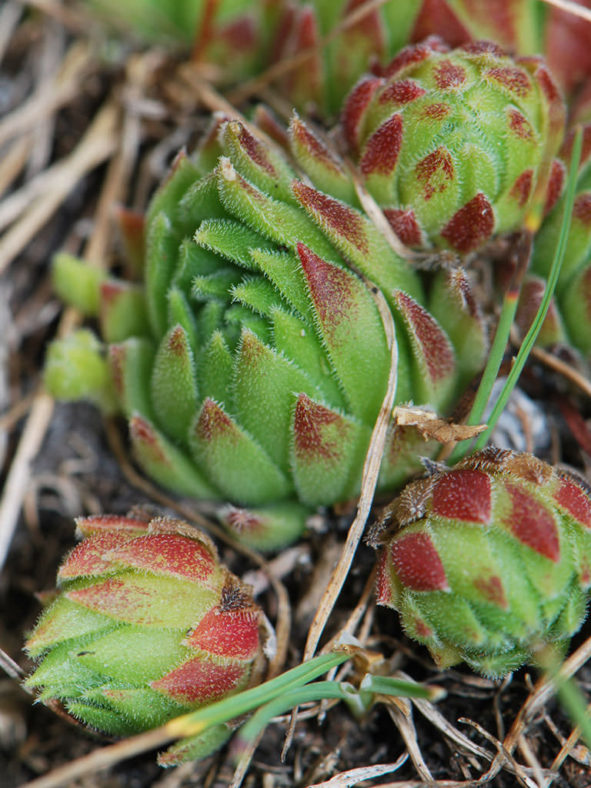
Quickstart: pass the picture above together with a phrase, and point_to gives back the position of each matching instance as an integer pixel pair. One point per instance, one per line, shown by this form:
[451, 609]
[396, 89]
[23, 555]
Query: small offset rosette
[490, 561]
[456, 145]
[146, 625]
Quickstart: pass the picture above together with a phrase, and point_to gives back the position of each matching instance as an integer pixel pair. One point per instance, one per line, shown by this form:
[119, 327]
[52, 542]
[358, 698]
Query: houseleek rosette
[252, 361]
[456, 145]
[490, 561]
[146, 625]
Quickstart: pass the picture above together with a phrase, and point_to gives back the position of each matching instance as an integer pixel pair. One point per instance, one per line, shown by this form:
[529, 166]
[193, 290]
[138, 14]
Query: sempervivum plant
[456, 145]
[253, 361]
[146, 625]
[490, 561]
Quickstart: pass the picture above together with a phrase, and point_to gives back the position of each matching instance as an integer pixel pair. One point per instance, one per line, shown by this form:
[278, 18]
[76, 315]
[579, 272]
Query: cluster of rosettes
[489, 561]
[146, 625]
[456, 146]
[253, 361]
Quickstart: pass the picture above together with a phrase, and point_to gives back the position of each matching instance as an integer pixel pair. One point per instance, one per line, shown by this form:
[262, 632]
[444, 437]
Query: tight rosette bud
[146, 625]
[426, 133]
[266, 361]
[489, 561]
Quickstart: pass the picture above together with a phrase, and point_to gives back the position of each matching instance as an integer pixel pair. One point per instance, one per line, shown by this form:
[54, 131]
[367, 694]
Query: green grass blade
[534, 330]
[506, 319]
[229, 708]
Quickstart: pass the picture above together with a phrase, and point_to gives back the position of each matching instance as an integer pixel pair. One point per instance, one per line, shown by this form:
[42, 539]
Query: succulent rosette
[252, 361]
[146, 625]
[427, 133]
[490, 561]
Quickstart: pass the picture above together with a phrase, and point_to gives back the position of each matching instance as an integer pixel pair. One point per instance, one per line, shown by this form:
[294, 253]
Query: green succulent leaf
[147, 625]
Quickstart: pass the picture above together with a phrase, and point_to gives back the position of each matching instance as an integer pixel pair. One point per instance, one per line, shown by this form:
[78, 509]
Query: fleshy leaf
[327, 446]
[216, 440]
[174, 384]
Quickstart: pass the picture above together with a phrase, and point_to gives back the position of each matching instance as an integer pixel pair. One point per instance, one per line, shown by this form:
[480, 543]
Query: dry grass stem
[10, 667]
[10, 16]
[103, 758]
[356, 776]
[15, 413]
[69, 17]
[564, 369]
[96, 146]
[13, 162]
[45, 101]
[369, 481]
[568, 750]
[524, 747]
[571, 8]
[437, 719]
[400, 711]
[20, 470]
[244, 762]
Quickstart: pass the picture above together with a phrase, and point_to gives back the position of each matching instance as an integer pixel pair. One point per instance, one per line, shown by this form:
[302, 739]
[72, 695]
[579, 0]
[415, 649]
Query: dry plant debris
[78, 135]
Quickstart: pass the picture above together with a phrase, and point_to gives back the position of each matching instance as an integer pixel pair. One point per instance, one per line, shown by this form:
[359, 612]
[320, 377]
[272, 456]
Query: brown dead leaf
[432, 427]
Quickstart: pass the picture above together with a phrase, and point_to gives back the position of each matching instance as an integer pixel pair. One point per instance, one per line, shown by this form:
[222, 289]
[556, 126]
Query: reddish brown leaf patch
[418, 564]
[469, 227]
[449, 75]
[532, 523]
[233, 633]
[169, 554]
[341, 219]
[198, 681]
[522, 187]
[382, 148]
[463, 495]
[435, 172]
[575, 500]
[405, 225]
